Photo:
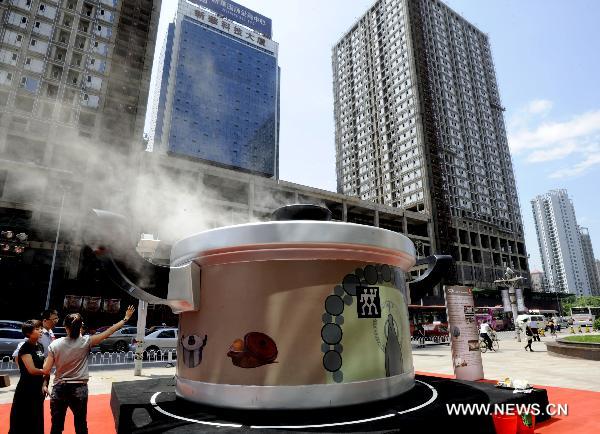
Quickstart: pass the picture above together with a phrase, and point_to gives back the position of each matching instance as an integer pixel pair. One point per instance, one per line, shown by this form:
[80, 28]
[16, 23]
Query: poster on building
[520, 300]
[505, 301]
[72, 303]
[92, 304]
[111, 305]
[464, 334]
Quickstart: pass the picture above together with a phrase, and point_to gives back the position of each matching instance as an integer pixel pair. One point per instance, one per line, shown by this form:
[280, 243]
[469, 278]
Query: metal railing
[105, 359]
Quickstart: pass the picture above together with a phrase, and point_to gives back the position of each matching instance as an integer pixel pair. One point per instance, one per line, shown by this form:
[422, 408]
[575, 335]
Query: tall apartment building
[590, 260]
[560, 243]
[74, 78]
[419, 125]
[218, 95]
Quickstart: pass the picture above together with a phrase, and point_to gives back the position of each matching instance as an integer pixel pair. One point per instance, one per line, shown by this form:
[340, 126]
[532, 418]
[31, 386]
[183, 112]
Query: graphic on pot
[366, 341]
[256, 349]
[192, 349]
[393, 351]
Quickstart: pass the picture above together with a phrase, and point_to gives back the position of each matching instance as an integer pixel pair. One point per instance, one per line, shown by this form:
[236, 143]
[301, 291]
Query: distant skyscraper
[560, 243]
[590, 263]
[419, 125]
[218, 97]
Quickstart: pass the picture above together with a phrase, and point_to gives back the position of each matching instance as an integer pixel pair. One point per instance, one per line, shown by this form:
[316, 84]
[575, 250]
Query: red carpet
[584, 411]
[100, 419]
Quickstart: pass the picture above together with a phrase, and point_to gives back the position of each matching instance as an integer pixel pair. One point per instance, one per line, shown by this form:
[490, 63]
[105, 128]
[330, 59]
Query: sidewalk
[513, 361]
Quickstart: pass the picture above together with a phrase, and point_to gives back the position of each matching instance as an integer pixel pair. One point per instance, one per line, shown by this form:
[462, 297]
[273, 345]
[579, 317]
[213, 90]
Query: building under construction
[74, 80]
[419, 125]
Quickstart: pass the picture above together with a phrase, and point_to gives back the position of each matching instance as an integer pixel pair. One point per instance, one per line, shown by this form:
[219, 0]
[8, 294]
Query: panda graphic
[192, 349]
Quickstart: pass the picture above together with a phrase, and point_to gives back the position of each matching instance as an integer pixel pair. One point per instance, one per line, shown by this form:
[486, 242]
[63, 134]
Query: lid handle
[301, 211]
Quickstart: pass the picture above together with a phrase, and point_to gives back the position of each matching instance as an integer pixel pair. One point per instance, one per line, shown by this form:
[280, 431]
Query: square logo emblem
[368, 304]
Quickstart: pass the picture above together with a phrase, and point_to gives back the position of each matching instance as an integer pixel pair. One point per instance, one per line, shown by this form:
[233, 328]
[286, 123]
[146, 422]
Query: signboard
[238, 13]
[520, 300]
[505, 301]
[464, 334]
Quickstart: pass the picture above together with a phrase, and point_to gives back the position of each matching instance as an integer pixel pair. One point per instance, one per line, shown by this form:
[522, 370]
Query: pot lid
[301, 234]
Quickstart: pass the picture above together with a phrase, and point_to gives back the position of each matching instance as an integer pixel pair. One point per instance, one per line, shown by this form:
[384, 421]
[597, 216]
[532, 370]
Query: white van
[535, 321]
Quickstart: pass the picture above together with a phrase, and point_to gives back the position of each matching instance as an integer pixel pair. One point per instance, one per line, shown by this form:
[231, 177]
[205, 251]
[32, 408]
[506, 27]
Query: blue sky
[546, 54]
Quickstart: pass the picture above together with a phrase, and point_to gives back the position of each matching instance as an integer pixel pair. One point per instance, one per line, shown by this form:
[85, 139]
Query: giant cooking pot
[300, 312]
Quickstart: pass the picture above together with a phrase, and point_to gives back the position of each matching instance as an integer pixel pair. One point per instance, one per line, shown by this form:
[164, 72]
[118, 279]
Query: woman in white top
[70, 356]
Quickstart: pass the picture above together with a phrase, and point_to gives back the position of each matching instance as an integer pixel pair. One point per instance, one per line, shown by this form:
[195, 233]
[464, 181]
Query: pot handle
[114, 246]
[438, 266]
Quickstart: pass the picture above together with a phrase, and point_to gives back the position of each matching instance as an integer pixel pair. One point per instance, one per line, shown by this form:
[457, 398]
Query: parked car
[9, 339]
[159, 340]
[9, 324]
[159, 327]
[119, 340]
[59, 332]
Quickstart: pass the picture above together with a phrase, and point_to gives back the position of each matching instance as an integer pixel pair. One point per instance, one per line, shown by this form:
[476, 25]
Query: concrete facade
[560, 243]
[73, 95]
[419, 125]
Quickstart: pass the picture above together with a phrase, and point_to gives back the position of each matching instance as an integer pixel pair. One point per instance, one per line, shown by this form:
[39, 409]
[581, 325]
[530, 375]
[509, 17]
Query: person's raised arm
[96, 339]
[28, 362]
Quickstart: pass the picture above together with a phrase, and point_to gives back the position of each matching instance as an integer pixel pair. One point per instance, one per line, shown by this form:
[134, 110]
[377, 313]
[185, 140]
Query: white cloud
[551, 154]
[540, 106]
[576, 139]
[579, 168]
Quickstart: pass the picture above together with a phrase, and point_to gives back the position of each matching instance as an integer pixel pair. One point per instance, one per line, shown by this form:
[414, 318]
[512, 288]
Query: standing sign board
[464, 334]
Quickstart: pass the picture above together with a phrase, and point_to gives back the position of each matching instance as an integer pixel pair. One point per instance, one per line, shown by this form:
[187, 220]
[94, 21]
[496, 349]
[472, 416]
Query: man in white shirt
[484, 331]
[49, 320]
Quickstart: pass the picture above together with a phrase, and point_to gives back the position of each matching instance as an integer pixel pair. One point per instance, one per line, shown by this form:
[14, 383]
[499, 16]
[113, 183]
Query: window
[9, 76]
[85, 97]
[99, 28]
[89, 78]
[24, 20]
[37, 24]
[42, 7]
[167, 334]
[23, 80]
[92, 61]
[19, 38]
[33, 42]
[14, 56]
[28, 61]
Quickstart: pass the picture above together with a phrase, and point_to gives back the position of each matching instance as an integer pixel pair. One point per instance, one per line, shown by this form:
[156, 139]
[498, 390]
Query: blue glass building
[218, 99]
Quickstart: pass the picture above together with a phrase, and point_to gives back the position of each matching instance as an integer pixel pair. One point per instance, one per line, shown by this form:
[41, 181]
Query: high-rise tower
[218, 97]
[560, 243]
[419, 125]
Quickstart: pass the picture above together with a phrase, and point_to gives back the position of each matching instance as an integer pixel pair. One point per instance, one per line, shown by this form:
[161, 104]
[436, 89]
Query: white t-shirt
[484, 328]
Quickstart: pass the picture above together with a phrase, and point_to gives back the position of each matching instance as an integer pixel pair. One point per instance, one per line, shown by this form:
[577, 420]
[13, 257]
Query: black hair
[48, 313]
[30, 325]
[74, 322]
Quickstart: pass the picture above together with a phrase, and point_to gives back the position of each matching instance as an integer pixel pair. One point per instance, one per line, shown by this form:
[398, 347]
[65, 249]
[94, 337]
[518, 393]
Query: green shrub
[597, 324]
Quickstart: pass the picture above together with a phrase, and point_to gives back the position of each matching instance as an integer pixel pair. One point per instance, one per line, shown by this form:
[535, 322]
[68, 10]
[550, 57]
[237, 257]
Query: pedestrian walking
[70, 356]
[27, 411]
[529, 334]
[551, 327]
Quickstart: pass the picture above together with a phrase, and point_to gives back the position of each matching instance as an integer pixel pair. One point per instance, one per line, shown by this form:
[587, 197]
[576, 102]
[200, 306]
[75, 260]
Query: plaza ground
[575, 382]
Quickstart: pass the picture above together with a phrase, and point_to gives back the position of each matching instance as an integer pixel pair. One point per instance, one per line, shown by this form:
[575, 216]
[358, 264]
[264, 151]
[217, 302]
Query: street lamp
[62, 203]
[510, 279]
